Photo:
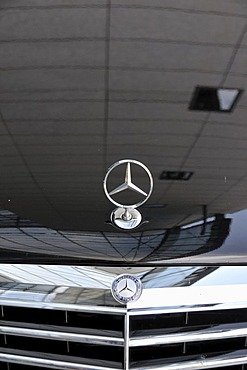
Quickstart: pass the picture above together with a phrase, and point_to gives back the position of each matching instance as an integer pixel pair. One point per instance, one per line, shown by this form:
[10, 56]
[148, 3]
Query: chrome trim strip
[231, 359]
[51, 364]
[126, 341]
[62, 306]
[121, 310]
[192, 297]
[200, 335]
[63, 336]
[185, 308]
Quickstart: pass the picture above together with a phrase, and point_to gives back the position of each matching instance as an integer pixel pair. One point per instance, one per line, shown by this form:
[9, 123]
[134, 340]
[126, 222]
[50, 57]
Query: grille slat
[63, 336]
[64, 329]
[219, 332]
[49, 363]
[231, 359]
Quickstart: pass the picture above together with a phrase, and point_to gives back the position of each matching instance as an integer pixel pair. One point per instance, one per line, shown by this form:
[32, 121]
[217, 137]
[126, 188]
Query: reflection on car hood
[85, 85]
[218, 240]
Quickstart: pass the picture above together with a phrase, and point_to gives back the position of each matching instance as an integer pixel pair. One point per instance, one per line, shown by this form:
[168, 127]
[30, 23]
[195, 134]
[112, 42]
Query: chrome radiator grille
[58, 339]
[32, 338]
[189, 340]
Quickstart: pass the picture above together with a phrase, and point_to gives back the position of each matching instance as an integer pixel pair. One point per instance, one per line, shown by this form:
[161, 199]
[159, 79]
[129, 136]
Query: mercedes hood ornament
[127, 216]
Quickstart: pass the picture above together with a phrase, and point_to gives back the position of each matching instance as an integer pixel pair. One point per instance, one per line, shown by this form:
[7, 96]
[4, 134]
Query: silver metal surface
[49, 363]
[181, 308]
[126, 341]
[126, 218]
[182, 299]
[128, 184]
[63, 336]
[231, 359]
[123, 310]
[219, 332]
[61, 306]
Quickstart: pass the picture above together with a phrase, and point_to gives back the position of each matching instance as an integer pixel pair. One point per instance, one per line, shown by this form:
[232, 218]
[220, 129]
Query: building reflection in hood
[27, 242]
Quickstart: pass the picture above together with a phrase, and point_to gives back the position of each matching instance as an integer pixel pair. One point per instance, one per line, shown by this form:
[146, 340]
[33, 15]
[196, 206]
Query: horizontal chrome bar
[189, 298]
[119, 310]
[62, 306]
[231, 359]
[200, 335]
[185, 308]
[49, 363]
[63, 336]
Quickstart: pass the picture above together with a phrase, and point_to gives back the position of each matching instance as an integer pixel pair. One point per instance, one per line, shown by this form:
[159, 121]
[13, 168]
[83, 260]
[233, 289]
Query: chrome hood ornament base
[127, 216]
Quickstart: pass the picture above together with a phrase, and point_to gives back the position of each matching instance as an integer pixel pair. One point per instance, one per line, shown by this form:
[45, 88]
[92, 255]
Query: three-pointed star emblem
[128, 184]
[126, 288]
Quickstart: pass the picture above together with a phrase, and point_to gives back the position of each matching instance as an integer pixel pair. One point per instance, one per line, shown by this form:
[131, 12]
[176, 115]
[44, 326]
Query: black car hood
[84, 85]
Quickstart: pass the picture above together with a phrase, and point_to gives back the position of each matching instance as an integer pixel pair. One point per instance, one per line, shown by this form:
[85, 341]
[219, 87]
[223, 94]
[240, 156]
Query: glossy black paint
[84, 85]
[218, 240]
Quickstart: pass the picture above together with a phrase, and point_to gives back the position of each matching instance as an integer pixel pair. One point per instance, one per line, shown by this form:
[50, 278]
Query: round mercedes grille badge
[126, 288]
